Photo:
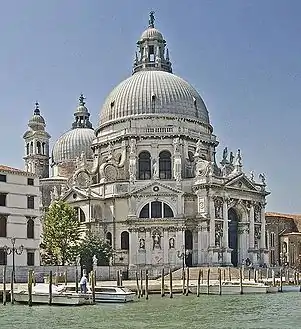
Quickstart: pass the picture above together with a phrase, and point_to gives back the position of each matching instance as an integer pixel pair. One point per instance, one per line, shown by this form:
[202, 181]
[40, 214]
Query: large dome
[71, 145]
[154, 92]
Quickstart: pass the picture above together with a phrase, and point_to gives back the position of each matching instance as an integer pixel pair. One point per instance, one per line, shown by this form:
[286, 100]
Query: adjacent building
[19, 217]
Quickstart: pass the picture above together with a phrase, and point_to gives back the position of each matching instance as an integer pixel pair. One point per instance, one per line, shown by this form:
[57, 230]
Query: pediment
[75, 194]
[241, 182]
[157, 187]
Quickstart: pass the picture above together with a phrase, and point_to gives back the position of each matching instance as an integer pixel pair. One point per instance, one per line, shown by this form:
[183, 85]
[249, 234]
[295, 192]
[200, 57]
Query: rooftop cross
[151, 20]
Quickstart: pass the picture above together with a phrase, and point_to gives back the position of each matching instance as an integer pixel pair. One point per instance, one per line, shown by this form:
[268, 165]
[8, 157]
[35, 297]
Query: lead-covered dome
[154, 92]
[72, 144]
[76, 141]
[153, 89]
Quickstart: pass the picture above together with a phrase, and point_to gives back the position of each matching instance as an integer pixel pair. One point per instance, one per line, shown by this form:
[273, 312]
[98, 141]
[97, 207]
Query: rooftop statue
[151, 20]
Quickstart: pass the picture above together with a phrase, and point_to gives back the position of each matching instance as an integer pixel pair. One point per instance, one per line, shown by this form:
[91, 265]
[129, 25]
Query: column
[252, 231]
[148, 247]
[212, 222]
[133, 237]
[262, 237]
[225, 225]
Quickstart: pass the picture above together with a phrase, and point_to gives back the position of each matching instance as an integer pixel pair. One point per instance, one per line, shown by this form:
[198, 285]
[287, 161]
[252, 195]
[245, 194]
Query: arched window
[38, 147]
[43, 148]
[31, 148]
[109, 238]
[125, 241]
[165, 165]
[3, 226]
[144, 165]
[30, 228]
[156, 209]
[27, 148]
[80, 214]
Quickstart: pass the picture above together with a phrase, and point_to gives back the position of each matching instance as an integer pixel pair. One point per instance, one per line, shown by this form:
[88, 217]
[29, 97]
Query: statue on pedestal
[155, 169]
[94, 260]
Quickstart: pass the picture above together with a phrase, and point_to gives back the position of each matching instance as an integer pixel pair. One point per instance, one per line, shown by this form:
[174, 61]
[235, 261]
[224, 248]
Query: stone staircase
[226, 273]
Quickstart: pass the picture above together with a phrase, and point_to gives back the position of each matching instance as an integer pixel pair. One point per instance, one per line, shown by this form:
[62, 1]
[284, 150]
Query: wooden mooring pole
[137, 284]
[281, 290]
[30, 288]
[187, 282]
[170, 284]
[208, 281]
[183, 281]
[240, 282]
[50, 288]
[93, 286]
[141, 283]
[146, 284]
[198, 288]
[162, 283]
[4, 285]
[229, 274]
[219, 281]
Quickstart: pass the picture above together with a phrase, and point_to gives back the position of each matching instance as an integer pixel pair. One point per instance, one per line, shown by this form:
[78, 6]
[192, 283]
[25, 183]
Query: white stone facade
[152, 186]
[19, 216]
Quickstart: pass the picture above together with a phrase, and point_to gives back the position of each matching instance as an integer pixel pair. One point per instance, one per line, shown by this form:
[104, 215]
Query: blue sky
[244, 57]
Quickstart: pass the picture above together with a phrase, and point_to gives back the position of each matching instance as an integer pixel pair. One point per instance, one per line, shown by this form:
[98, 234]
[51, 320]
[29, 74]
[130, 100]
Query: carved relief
[141, 243]
[218, 234]
[257, 235]
[218, 206]
[257, 213]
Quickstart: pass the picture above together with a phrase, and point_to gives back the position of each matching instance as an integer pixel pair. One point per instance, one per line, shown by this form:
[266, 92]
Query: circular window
[74, 195]
[155, 188]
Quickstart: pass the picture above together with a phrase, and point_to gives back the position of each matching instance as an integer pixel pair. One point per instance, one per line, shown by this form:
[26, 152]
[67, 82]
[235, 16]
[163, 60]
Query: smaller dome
[72, 144]
[151, 33]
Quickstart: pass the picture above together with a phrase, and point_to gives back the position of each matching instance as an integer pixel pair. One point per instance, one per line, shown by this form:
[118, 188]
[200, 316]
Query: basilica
[146, 178]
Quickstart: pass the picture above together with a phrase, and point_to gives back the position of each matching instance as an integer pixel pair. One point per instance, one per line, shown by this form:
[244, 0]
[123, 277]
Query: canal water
[246, 311]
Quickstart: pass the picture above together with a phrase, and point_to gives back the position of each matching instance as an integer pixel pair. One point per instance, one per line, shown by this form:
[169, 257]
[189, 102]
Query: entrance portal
[188, 248]
[233, 235]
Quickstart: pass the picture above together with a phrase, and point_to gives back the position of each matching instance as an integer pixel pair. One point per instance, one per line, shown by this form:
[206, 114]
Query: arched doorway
[233, 235]
[188, 248]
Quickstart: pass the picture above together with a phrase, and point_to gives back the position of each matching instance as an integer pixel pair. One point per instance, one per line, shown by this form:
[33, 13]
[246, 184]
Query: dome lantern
[151, 55]
[81, 115]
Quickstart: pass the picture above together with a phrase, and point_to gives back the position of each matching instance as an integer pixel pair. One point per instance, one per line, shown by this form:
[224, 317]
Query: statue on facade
[231, 157]
[132, 146]
[156, 240]
[238, 159]
[132, 170]
[176, 145]
[177, 171]
[252, 175]
[262, 178]
[155, 169]
[171, 243]
[225, 154]
[94, 261]
[141, 243]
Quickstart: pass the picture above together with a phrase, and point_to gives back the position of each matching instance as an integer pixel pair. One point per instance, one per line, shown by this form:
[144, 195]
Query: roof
[154, 92]
[295, 217]
[13, 170]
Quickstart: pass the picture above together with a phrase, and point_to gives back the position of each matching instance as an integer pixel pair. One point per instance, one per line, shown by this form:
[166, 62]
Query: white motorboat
[40, 295]
[290, 288]
[233, 288]
[113, 294]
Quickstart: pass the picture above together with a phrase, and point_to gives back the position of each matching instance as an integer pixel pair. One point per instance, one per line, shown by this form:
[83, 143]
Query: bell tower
[37, 145]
